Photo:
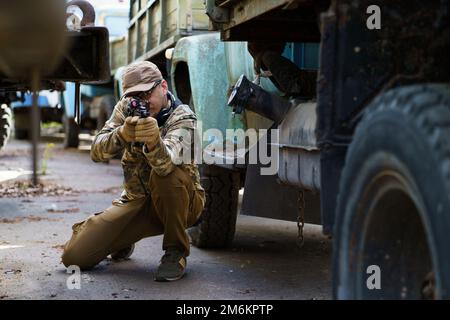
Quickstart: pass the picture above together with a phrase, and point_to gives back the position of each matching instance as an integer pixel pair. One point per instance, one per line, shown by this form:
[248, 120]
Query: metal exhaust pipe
[249, 96]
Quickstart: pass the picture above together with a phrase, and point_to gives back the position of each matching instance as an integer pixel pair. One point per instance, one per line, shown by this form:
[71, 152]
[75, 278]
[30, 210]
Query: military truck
[371, 142]
[201, 71]
[47, 51]
[41, 47]
[97, 100]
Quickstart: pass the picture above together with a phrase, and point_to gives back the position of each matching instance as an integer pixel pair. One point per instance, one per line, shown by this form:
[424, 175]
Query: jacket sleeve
[108, 142]
[175, 148]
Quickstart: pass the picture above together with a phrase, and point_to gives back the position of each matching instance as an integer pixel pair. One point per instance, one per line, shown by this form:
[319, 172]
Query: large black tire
[217, 224]
[394, 199]
[71, 131]
[5, 124]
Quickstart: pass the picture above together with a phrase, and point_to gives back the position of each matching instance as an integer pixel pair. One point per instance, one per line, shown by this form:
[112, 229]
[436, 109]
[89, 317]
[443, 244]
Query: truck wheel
[217, 224]
[5, 124]
[71, 131]
[393, 212]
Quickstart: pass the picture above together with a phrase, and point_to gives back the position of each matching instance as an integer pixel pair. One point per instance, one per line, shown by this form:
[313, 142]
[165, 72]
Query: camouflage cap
[140, 76]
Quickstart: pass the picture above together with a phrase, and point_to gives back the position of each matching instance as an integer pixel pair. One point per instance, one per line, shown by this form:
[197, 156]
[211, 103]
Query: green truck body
[371, 139]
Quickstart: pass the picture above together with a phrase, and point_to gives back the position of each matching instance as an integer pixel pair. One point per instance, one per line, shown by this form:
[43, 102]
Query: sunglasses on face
[146, 94]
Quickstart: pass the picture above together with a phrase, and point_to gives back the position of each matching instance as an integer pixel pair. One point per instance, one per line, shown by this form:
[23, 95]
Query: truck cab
[370, 142]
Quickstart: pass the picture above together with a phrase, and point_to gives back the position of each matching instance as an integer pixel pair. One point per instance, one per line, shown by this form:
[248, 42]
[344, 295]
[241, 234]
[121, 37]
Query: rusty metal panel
[156, 25]
[249, 9]
[299, 155]
[118, 53]
[200, 20]
[87, 59]
[142, 34]
[265, 197]
[132, 43]
[134, 5]
[262, 20]
[357, 63]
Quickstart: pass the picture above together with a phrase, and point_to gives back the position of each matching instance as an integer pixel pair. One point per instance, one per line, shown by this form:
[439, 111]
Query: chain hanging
[300, 219]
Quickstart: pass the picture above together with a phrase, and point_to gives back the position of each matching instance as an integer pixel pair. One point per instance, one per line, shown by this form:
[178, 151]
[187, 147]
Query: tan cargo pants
[173, 206]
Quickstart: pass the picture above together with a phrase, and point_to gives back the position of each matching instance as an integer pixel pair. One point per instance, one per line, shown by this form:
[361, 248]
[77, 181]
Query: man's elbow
[96, 156]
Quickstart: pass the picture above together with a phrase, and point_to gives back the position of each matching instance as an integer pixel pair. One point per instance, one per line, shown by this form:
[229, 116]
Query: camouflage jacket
[138, 162]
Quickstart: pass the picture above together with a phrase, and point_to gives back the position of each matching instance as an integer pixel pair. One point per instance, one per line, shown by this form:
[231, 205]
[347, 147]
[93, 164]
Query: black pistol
[137, 107]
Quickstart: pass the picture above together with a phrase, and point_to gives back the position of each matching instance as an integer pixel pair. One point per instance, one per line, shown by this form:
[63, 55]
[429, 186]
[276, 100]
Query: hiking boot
[172, 265]
[123, 254]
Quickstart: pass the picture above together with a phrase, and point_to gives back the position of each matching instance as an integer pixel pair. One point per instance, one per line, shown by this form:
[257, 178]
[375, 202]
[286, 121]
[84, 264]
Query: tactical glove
[147, 131]
[127, 130]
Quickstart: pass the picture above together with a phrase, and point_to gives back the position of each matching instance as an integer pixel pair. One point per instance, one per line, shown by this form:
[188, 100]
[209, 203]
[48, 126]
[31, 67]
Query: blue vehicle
[49, 106]
[52, 47]
[96, 105]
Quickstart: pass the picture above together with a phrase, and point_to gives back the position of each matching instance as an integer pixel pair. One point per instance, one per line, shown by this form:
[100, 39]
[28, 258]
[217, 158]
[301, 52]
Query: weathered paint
[239, 62]
[357, 63]
[205, 56]
[299, 154]
[259, 20]
[249, 9]
[214, 67]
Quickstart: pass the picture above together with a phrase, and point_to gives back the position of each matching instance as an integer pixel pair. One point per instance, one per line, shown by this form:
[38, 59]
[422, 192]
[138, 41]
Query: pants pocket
[124, 212]
[78, 226]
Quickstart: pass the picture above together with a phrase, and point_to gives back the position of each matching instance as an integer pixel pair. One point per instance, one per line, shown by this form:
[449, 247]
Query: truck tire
[5, 124]
[393, 214]
[71, 131]
[217, 224]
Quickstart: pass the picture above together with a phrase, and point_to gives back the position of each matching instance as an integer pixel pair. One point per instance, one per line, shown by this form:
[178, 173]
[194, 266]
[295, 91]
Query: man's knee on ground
[73, 257]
